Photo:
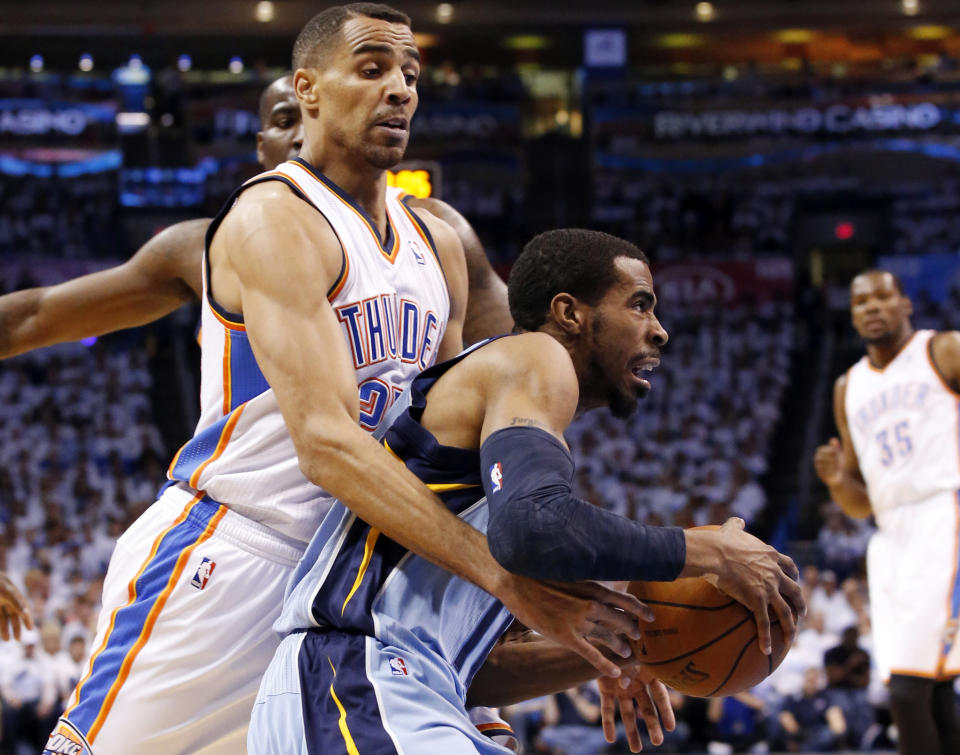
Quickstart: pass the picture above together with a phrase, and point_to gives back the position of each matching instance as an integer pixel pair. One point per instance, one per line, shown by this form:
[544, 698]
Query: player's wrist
[704, 555]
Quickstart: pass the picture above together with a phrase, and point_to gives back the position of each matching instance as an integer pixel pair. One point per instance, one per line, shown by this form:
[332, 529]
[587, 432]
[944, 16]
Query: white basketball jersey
[392, 302]
[903, 420]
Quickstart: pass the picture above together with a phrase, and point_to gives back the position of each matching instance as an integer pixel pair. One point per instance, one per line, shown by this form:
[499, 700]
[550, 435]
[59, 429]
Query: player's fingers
[15, 623]
[784, 613]
[608, 717]
[648, 711]
[4, 630]
[788, 566]
[791, 590]
[604, 637]
[594, 657]
[763, 629]
[614, 620]
[625, 602]
[836, 445]
[630, 728]
[661, 698]
[733, 523]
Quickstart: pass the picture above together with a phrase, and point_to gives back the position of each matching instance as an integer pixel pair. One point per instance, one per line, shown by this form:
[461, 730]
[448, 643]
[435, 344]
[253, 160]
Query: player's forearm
[851, 495]
[18, 311]
[521, 670]
[379, 489]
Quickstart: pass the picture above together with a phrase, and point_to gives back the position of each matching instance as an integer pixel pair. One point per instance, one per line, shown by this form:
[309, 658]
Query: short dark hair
[877, 271]
[575, 261]
[263, 104]
[320, 31]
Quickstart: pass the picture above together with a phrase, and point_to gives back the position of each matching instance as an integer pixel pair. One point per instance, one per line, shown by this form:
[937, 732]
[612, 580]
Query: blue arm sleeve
[538, 529]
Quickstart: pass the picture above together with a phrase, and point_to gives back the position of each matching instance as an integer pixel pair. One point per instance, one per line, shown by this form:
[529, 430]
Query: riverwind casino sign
[832, 119]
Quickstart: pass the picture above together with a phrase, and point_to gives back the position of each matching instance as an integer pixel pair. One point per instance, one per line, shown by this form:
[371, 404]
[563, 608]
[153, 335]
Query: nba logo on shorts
[496, 478]
[202, 576]
[398, 667]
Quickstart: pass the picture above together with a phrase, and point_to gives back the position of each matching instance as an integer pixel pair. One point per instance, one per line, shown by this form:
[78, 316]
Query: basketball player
[896, 458]
[13, 610]
[381, 644]
[165, 272]
[319, 285]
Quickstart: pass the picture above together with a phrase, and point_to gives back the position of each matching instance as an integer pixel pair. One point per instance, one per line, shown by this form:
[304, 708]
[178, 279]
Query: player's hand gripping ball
[703, 643]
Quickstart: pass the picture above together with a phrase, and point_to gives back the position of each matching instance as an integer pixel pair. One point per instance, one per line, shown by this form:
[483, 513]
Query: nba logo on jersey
[398, 667]
[204, 571]
[496, 478]
[416, 252]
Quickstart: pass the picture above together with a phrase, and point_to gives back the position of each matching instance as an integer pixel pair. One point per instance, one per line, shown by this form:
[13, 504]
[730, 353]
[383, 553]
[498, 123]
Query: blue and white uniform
[381, 644]
[196, 583]
[904, 422]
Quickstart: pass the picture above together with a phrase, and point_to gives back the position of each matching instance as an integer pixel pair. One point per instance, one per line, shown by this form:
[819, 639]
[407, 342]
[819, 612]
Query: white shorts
[912, 568]
[184, 635]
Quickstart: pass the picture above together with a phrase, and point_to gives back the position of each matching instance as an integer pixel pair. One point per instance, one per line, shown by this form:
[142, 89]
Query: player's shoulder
[275, 206]
[531, 355]
[436, 208]
[947, 341]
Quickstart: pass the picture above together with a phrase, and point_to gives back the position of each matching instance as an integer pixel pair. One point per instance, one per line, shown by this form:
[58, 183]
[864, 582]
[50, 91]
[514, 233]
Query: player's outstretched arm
[13, 610]
[487, 311]
[161, 276]
[274, 262]
[836, 462]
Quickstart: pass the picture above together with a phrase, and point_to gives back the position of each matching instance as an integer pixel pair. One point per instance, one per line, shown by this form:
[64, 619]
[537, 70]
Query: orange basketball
[703, 642]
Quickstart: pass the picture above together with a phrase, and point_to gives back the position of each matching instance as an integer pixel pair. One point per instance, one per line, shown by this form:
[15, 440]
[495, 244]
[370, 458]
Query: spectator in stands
[28, 697]
[572, 722]
[848, 677]
[809, 721]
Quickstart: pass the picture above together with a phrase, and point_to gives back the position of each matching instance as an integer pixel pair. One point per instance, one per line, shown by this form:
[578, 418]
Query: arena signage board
[707, 283]
[30, 117]
[834, 119]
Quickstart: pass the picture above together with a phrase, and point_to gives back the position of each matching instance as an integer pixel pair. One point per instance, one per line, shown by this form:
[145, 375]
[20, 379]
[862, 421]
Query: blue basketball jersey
[353, 579]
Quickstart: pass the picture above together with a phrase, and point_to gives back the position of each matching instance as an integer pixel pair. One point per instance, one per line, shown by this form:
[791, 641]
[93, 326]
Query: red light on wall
[844, 230]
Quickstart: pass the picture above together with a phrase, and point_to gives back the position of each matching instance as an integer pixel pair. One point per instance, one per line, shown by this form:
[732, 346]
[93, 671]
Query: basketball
[703, 643]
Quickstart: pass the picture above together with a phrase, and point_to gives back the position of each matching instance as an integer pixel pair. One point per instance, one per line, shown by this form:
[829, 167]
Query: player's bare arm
[487, 311]
[836, 462]
[945, 355]
[13, 610]
[450, 252]
[538, 387]
[162, 275]
[297, 342]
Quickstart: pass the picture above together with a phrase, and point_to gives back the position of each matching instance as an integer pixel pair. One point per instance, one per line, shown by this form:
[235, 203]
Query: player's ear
[907, 306]
[304, 81]
[260, 148]
[567, 312]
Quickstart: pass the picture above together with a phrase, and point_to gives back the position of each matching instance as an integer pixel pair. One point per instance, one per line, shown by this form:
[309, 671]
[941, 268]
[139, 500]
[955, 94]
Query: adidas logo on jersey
[204, 571]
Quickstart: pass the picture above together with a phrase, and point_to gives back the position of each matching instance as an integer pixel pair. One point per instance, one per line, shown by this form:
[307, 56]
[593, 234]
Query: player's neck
[366, 185]
[882, 353]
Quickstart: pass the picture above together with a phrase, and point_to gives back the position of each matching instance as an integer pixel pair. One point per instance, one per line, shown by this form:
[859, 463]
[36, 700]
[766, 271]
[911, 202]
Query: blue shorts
[333, 693]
